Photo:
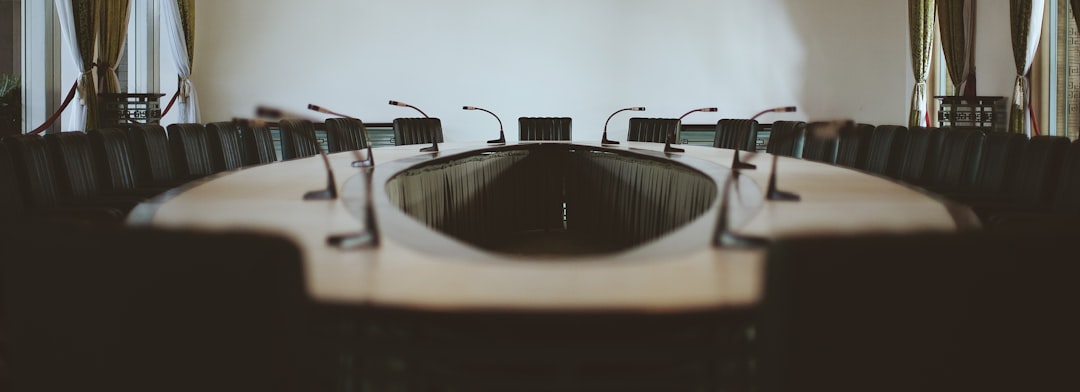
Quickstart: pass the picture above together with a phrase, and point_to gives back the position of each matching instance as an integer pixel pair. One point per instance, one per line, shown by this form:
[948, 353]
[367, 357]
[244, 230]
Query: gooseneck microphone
[604, 140]
[671, 134]
[331, 191]
[366, 162]
[369, 237]
[735, 162]
[502, 136]
[434, 141]
[819, 130]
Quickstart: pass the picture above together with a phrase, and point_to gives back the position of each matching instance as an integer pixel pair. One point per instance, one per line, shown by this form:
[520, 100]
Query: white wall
[577, 58]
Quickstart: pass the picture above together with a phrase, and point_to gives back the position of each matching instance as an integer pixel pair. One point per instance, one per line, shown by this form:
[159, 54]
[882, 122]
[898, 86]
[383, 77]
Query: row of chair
[1001, 175]
[103, 174]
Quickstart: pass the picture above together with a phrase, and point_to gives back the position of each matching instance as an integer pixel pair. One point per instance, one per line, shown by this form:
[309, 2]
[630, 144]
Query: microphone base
[352, 241]
[778, 195]
[743, 165]
[324, 194]
[669, 148]
[433, 148]
[364, 163]
[497, 141]
[730, 240]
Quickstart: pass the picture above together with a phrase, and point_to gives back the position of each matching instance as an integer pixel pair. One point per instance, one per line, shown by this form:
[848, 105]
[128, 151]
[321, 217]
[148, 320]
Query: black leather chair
[921, 155]
[653, 130]
[1000, 159]
[424, 130]
[853, 146]
[135, 310]
[190, 150]
[346, 134]
[41, 190]
[12, 207]
[544, 128]
[786, 138]
[1035, 182]
[736, 134]
[929, 312]
[886, 149]
[958, 160]
[152, 157]
[79, 177]
[225, 145]
[258, 145]
[297, 139]
[112, 152]
[820, 149]
[1064, 209]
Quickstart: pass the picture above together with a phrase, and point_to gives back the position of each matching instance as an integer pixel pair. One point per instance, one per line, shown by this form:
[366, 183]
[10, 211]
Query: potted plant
[10, 105]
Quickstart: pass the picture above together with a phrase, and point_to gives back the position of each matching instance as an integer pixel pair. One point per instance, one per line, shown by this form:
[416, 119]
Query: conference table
[417, 267]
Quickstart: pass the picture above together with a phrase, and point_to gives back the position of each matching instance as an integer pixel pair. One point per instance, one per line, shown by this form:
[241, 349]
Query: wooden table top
[680, 272]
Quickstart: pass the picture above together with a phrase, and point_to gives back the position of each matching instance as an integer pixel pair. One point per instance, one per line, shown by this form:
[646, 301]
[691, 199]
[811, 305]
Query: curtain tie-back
[1020, 91]
[918, 96]
[86, 78]
[185, 89]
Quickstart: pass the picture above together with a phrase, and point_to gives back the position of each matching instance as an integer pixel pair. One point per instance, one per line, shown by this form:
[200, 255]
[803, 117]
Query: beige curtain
[111, 36]
[78, 19]
[957, 27]
[921, 15]
[1026, 26]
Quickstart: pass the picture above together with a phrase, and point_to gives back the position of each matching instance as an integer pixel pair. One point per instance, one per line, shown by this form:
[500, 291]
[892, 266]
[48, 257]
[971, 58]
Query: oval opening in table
[552, 199]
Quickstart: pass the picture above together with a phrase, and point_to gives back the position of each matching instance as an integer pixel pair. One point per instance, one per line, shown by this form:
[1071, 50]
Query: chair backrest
[1036, 177]
[1067, 199]
[853, 145]
[977, 311]
[190, 150]
[786, 138]
[11, 198]
[820, 149]
[76, 172]
[1000, 160]
[423, 130]
[958, 160]
[113, 155]
[544, 128]
[258, 145]
[736, 134]
[346, 134]
[36, 173]
[151, 155]
[223, 141]
[885, 151]
[653, 130]
[127, 309]
[921, 155]
[297, 139]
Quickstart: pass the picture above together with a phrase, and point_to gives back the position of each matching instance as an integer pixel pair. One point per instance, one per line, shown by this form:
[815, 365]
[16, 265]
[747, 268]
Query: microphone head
[264, 111]
[829, 129]
[317, 108]
[468, 107]
[638, 109]
[709, 109]
[787, 109]
[396, 103]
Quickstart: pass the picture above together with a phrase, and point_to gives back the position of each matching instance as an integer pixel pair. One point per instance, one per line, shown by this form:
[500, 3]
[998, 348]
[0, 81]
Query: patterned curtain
[957, 27]
[114, 25]
[921, 15]
[179, 23]
[78, 22]
[1026, 26]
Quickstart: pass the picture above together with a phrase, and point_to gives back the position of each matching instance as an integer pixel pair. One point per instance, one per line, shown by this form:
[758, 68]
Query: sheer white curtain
[173, 24]
[79, 110]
